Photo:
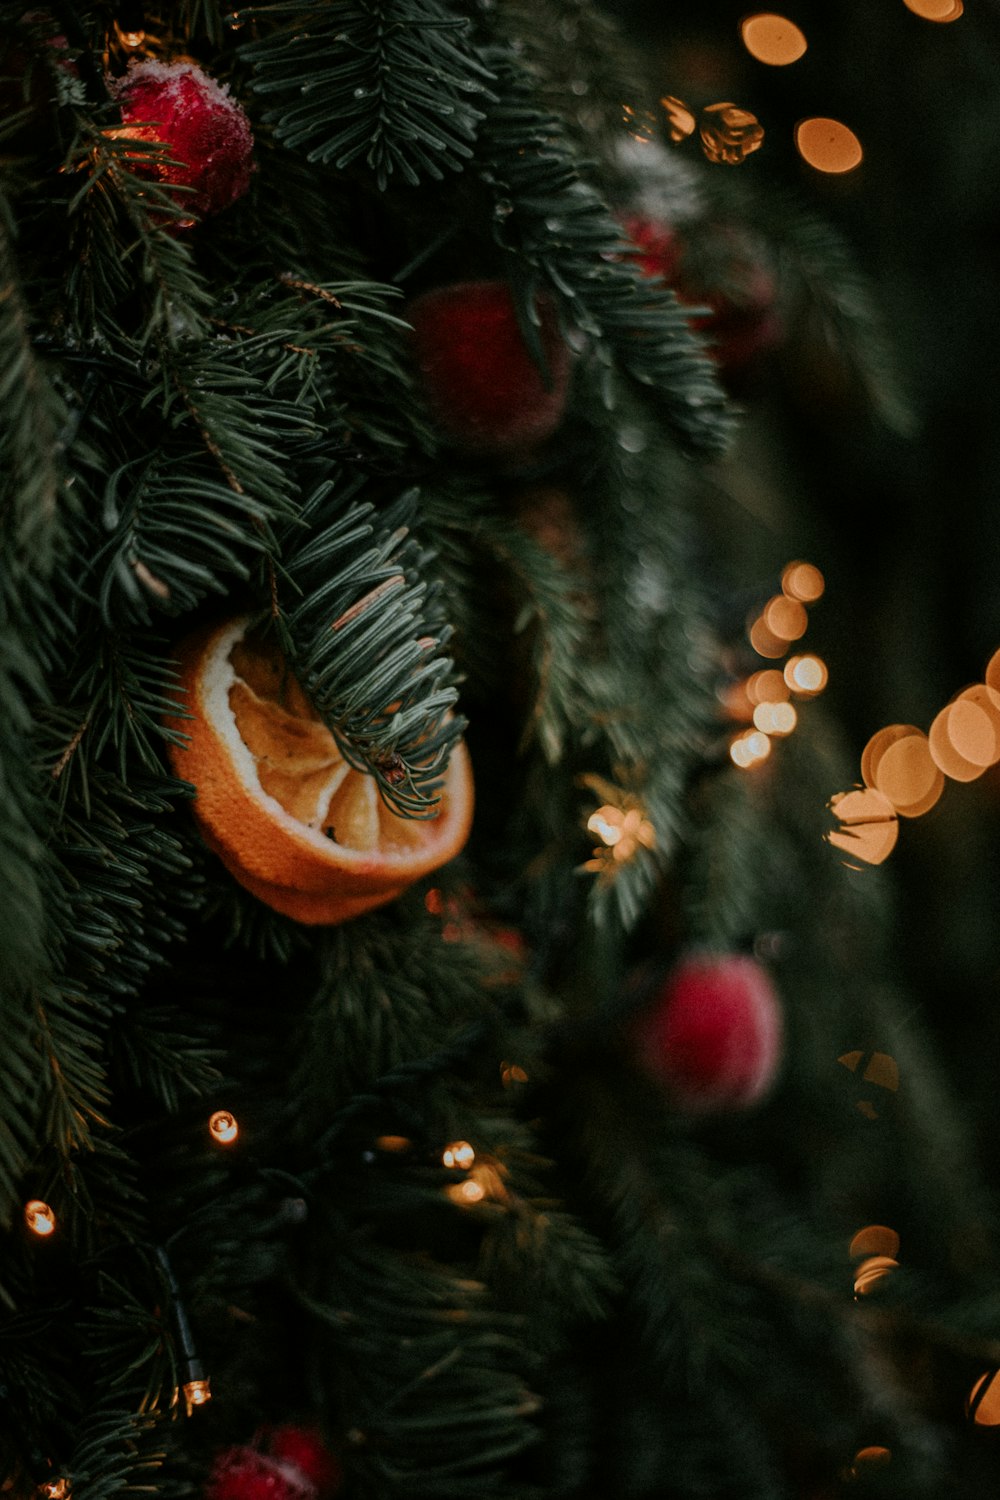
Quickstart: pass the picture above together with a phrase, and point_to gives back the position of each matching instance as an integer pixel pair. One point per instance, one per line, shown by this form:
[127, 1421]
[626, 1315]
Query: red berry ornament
[304, 1447]
[742, 322]
[713, 1034]
[483, 387]
[206, 131]
[246, 1474]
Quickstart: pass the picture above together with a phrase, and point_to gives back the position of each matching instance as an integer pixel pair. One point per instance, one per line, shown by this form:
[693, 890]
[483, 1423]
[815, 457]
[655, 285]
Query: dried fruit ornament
[297, 826]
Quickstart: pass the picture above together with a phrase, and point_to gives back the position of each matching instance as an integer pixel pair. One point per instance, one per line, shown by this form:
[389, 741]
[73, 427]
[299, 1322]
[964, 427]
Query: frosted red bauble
[483, 387]
[304, 1447]
[246, 1474]
[739, 326]
[206, 130]
[713, 1034]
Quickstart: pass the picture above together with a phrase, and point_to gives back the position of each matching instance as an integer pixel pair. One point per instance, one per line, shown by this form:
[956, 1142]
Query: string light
[872, 1457]
[750, 749]
[622, 827]
[828, 145]
[466, 1193]
[511, 1073]
[767, 687]
[130, 40]
[785, 618]
[395, 1145]
[898, 763]
[196, 1393]
[459, 1154]
[773, 39]
[55, 1489]
[39, 1218]
[223, 1127]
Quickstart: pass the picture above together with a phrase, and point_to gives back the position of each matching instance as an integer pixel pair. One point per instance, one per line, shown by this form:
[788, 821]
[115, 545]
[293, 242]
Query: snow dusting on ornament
[205, 130]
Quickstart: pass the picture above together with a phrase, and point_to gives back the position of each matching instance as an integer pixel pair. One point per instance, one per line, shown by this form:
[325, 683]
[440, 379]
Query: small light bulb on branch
[39, 1218]
[196, 1393]
[223, 1127]
[55, 1489]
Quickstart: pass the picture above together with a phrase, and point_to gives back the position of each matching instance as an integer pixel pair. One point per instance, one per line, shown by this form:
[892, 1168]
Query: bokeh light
[775, 718]
[768, 686]
[963, 738]
[871, 1272]
[806, 675]
[936, 10]
[750, 749]
[983, 1403]
[773, 39]
[869, 827]
[827, 145]
[803, 581]
[875, 1239]
[729, 133]
[785, 618]
[897, 762]
[871, 1458]
[764, 641]
[680, 118]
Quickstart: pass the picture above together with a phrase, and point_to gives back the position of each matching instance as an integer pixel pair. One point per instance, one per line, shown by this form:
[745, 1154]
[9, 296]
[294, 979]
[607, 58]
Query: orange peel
[290, 818]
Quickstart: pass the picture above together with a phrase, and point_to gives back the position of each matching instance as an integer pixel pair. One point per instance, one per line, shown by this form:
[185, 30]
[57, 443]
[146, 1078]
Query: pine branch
[389, 83]
[366, 639]
[121, 222]
[32, 425]
[569, 244]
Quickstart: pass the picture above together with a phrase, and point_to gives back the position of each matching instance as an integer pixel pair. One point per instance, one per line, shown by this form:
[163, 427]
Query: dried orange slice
[293, 822]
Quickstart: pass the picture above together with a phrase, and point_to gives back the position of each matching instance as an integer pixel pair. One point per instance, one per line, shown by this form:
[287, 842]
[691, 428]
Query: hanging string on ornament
[194, 1383]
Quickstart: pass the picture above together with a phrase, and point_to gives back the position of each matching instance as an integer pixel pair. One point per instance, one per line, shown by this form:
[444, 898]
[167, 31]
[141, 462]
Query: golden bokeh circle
[764, 641]
[936, 10]
[869, 827]
[803, 581]
[806, 675]
[828, 145]
[875, 1239]
[773, 39]
[983, 1402]
[785, 618]
[963, 739]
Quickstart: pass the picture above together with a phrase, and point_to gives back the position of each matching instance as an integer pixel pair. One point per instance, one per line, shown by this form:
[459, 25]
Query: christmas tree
[442, 1056]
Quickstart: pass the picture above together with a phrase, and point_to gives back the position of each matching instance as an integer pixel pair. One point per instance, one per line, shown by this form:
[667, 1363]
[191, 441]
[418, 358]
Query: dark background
[906, 529]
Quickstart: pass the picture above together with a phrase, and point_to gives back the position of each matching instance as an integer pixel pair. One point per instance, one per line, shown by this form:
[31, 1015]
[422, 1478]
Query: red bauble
[741, 324]
[246, 1474]
[713, 1034]
[206, 131]
[481, 383]
[304, 1447]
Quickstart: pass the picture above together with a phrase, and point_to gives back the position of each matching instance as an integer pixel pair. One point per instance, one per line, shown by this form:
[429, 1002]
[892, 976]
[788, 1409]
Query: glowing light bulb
[130, 40]
[764, 641]
[936, 10]
[768, 686]
[55, 1489]
[873, 1457]
[680, 118]
[223, 1127]
[759, 745]
[511, 1073]
[39, 1218]
[459, 1154]
[828, 145]
[785, 618]
[196, 1393]
[394, 1144]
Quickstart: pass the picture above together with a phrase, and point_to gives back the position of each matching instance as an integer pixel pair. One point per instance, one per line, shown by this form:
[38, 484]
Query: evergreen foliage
[221, 419]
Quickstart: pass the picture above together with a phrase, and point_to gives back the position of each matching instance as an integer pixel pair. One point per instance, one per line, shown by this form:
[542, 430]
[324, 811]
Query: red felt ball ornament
[304, 1448]
[481, 382]
[205, 130]
[246, 1474]
[742, 322]
[713, 1034]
